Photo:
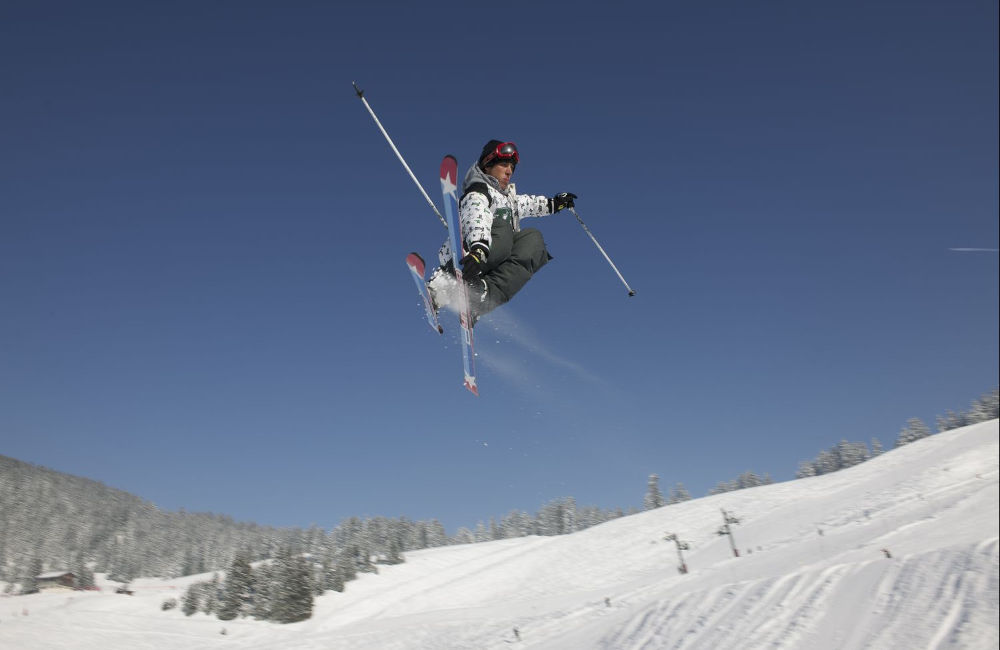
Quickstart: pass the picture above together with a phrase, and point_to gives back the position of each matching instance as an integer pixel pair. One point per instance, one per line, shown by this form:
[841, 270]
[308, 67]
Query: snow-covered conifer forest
[896, 549]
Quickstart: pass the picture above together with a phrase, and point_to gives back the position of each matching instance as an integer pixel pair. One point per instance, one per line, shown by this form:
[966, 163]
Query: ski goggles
[504, 152]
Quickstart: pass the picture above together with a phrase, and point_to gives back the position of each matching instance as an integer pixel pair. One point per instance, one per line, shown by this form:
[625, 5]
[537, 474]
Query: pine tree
[517, 523]
[419, 537]
[30, 584]
[876, 447]
[318, 579]
[347, 566]
[363, 560]
[852, 453]
[328, 572]
[828, 461]
[436, 534]
[806, 469]
[724, 486]
[83, 573]
[190, 604]
[914, 430]
[553, 518]
[678, 494]
[568, 522]
[293, 598]
[335, 580]
[985, 408]
[950, 421]
[395, 555]
[210, 600]
[264, 588]
[654, 498]
[237, 594]
[193, 564]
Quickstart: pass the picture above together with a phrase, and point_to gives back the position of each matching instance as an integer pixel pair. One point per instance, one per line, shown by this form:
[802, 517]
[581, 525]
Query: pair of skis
[449, 190]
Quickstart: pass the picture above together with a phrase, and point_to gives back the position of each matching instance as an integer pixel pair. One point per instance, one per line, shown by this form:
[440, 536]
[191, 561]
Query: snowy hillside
[815, 572]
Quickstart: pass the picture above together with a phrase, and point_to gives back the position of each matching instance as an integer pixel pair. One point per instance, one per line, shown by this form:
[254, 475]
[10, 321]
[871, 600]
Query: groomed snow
[813, 573]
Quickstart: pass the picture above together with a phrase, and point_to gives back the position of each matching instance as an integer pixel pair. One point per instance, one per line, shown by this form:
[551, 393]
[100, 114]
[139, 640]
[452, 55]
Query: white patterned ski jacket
[476, 213]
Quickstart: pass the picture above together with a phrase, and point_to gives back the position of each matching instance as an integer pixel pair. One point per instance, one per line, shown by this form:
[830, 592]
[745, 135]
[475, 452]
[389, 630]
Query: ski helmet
[498, 151]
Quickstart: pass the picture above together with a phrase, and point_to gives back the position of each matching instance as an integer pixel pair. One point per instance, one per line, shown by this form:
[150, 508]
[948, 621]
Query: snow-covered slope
[814, 573]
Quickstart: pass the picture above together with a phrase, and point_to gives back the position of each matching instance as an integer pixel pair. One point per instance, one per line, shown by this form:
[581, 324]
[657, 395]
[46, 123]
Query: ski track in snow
[812, 574]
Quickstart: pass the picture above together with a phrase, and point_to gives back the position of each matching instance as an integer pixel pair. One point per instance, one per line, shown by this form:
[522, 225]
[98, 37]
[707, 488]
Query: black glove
[560, 201]
[474, 264]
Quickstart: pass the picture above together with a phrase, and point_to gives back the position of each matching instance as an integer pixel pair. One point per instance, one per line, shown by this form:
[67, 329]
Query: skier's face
[501, 171]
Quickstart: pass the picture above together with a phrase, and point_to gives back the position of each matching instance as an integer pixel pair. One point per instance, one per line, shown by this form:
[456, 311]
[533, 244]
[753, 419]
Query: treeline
[557, 517]
[50, 520]
[842, 455]
[743, 481]
[279, 590]
[282, 590]
[60, 521]
[654, 497]
[847, 454]
[55, 521]
[984, 409]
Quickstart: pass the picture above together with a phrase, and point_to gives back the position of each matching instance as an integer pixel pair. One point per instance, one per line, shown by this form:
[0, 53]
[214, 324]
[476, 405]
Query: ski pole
[361, 96]
[631, 291]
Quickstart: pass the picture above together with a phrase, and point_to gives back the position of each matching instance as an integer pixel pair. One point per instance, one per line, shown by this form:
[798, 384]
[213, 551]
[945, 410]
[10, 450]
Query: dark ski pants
[514, 257]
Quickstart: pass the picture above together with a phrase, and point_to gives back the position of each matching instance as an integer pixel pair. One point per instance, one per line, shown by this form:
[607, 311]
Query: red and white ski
[449, 189]
[416, 265]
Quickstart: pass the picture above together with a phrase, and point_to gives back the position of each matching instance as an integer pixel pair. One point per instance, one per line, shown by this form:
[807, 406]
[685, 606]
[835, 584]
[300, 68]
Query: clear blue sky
[202, 235]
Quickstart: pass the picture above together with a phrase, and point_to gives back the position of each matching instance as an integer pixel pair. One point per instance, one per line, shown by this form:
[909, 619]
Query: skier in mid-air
[486, 246]
[501, 257]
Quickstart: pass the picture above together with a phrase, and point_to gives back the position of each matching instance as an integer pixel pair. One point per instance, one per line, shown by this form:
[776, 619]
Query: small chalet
[56, 580]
